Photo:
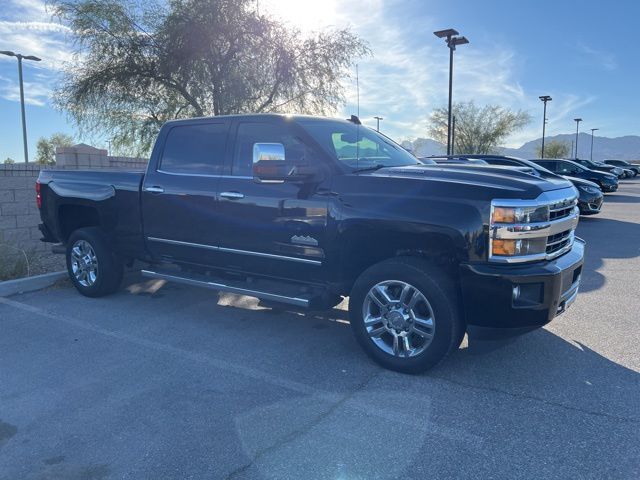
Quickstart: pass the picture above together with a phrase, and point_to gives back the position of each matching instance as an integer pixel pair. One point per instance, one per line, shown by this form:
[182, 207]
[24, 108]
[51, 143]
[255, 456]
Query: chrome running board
[223, 287]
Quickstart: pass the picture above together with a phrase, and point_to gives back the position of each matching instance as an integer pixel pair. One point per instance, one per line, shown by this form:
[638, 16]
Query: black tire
[442, 296]
[109, 269]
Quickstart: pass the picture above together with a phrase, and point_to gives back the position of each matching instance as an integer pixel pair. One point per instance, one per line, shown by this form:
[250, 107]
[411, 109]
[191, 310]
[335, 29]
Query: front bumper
[609, 187]
[590, 204]
[508, 300]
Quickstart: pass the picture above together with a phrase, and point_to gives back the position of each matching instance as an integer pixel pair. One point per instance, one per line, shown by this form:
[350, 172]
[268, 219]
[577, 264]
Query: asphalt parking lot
[166, 381]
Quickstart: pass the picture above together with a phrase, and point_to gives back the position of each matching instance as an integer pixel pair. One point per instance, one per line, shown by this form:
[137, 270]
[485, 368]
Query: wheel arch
[362, 248]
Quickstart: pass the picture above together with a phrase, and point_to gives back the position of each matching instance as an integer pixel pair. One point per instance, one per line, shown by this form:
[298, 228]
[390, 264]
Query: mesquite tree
[138, 64]
[477, 129]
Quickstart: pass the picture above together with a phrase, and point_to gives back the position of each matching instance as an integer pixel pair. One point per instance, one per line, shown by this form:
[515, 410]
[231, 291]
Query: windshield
[357, 146]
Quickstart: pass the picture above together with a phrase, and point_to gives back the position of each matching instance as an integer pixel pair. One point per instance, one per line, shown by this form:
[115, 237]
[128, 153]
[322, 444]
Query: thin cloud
[406, 79]
[606, 60]
[37, 94]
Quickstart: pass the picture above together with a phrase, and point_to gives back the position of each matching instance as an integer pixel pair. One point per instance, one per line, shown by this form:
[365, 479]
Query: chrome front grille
[559, 241]
[558, 213]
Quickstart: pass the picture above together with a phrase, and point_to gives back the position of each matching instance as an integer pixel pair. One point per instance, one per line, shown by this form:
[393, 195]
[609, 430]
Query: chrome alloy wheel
[398, 318]
[84, 263]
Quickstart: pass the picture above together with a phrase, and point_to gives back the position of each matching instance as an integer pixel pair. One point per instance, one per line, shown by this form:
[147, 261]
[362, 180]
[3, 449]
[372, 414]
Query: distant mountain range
[621, 148]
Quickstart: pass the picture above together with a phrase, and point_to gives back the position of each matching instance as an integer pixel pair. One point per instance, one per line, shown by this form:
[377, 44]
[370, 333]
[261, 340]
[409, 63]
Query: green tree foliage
[46, 147]
[554, 149]
[141, 63]
[9, 160]
[478, 129]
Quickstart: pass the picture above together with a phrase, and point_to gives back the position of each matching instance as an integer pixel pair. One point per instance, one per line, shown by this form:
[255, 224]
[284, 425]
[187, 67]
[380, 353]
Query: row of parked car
[591, 179]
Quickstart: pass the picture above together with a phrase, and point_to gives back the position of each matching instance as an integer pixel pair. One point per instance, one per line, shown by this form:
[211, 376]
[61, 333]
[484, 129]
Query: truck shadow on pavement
[606, 238]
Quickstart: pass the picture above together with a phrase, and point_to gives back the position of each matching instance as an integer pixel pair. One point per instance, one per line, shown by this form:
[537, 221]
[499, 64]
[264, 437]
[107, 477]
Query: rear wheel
[404, 312]
[93, 268]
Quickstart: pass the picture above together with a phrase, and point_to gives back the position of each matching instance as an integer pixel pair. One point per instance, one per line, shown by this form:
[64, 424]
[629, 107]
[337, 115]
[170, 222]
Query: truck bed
[110, 198]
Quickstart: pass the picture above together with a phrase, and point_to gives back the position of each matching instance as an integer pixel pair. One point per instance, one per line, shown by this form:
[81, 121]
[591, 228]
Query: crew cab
[303, 211]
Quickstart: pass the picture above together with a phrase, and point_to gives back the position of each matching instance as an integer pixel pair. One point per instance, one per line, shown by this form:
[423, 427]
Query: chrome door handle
[154, 189]
[232, 195]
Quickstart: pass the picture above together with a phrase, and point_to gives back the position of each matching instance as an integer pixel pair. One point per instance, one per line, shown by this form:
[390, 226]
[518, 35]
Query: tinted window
[564, 167]
[551, 166]
[250, 133]
[195, 149]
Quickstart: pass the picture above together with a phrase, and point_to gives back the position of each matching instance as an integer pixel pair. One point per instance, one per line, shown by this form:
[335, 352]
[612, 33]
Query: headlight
[521, 219]
[510, 248]
[520, 214]
[531, 230]
[589, 189]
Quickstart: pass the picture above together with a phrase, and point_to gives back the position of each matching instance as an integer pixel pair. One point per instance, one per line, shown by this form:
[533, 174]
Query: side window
[197, 148]
[250, 133]
[552, 166]
[567, 168]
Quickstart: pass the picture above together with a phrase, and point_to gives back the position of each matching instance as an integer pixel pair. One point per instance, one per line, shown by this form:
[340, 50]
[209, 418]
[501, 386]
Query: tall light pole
[453, 134]
[545, 99]
[592, 130]
[20, 57]
[577, 120]
[378, 123]
[452, 40]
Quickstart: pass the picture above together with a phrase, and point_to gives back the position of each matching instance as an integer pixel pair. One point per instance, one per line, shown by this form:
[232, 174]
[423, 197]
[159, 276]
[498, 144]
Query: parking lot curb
[30, 284]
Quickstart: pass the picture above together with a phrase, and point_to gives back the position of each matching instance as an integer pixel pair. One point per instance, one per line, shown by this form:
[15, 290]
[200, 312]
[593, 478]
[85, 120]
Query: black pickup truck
[305, 211]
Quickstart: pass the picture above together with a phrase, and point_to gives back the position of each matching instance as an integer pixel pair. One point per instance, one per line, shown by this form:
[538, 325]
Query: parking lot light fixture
[453, 40]
[577, 120]
[592, 130]
[21, 57]
[378, 122]
[545, 99]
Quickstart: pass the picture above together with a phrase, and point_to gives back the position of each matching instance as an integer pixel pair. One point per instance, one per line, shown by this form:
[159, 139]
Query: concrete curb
[30, 284]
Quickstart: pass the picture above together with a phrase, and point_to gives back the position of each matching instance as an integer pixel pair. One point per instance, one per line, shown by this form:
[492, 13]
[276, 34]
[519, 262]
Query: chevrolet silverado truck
[303, 211]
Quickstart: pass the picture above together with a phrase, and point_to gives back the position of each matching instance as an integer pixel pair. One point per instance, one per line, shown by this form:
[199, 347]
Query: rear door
[179, 195]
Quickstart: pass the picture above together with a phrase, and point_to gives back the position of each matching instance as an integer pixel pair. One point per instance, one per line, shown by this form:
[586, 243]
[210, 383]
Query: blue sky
[583, 54]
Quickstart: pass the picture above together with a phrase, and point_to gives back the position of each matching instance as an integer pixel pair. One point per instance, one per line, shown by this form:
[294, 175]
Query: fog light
[528, 294]
[516, 292]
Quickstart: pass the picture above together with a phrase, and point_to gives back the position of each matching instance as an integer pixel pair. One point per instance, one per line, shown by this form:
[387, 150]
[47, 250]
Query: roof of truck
[262, 116]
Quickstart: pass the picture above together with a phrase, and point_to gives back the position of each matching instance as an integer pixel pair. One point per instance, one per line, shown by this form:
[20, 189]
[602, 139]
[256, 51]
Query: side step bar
[221, 287]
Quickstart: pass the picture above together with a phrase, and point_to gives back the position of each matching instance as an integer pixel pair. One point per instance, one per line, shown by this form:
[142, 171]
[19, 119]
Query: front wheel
[93, 268]
[405, 314]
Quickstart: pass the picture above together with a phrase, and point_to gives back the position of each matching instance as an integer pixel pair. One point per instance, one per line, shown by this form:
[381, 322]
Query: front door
[275, 229]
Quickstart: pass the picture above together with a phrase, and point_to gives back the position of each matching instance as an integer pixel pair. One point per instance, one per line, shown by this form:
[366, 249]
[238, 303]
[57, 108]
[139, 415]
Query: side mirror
[269, 163]
[271, 166]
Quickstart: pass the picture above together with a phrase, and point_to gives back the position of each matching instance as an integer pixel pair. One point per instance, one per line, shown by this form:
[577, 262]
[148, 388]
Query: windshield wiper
[371, 168]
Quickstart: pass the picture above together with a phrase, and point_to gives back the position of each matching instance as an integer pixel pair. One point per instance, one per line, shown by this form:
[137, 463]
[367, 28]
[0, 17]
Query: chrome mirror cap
[265, 152]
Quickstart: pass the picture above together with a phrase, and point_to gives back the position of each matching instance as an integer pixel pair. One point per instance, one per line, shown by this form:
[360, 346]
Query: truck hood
[497, 181]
